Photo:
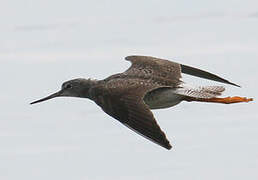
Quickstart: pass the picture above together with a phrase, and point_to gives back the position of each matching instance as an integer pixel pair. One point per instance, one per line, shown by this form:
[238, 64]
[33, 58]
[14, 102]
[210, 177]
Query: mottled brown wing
[128, 107]
[169, 71]
[159, 70]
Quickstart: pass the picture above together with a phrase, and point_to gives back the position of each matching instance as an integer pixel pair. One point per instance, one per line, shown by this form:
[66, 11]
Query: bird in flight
[150, 83]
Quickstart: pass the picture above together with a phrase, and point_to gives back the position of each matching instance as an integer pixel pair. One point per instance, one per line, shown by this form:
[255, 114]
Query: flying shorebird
[150, 83]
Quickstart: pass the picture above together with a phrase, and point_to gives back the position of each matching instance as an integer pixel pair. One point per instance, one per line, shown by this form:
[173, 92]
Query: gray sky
[44, 43]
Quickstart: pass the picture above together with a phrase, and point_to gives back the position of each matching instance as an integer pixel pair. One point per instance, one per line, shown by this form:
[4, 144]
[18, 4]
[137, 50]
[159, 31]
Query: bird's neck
[87, 85]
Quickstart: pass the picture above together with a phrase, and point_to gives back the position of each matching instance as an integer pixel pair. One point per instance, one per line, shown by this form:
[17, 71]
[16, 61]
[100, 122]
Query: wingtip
[233, 84]
[169, 147]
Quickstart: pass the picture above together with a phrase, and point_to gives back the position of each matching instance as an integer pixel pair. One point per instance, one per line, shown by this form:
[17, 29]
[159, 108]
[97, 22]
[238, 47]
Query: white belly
[162, 98]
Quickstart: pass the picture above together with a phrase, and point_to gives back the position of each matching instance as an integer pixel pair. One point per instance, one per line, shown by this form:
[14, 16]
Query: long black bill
[48, 97]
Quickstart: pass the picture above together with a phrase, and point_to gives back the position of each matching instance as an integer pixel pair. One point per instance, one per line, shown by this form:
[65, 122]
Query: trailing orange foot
[226, 100]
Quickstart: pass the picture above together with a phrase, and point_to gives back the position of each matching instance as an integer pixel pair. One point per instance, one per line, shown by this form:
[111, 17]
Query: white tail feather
[201, 92]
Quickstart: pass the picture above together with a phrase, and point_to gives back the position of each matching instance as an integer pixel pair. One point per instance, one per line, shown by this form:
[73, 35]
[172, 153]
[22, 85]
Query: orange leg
[226, 100]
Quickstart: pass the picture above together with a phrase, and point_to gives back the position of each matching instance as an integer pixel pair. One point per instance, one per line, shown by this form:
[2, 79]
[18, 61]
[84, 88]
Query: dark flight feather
[204, 74]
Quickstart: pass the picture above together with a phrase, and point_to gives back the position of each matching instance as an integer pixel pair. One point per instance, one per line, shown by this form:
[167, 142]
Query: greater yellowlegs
[150, 83]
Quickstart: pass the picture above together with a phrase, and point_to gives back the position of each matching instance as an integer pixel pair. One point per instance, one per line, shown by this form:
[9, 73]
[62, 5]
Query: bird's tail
[201, 92]
[208, 94]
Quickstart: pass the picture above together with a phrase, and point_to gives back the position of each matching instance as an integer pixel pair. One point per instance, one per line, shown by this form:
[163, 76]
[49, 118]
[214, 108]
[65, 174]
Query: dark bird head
[73, 88]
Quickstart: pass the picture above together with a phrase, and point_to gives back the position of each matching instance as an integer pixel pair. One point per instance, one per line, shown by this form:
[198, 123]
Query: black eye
[68, 86]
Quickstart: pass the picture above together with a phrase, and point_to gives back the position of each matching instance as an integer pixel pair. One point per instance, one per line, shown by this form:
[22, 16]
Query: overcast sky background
[44, 43]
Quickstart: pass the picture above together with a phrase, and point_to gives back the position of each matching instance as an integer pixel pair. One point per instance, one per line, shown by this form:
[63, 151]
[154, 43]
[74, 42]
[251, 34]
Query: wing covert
[160, 70]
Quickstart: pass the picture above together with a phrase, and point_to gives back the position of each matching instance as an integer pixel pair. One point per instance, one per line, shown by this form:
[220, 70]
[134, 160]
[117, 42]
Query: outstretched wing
[169, 71]
[125, 103]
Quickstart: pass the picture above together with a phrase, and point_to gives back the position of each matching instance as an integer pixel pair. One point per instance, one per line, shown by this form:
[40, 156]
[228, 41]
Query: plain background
[44, 43]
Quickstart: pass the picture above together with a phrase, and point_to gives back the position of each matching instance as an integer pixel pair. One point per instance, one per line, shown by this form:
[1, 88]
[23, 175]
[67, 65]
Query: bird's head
[73, 88]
